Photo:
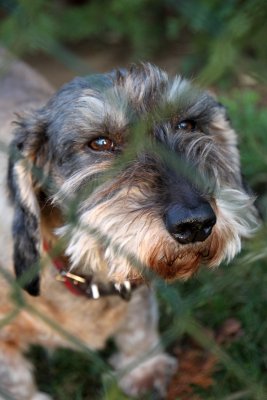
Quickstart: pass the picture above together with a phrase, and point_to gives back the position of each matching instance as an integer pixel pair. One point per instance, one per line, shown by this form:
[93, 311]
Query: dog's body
[143, 217]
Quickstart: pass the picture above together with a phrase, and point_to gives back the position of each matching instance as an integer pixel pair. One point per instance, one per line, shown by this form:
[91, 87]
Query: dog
[114, 180]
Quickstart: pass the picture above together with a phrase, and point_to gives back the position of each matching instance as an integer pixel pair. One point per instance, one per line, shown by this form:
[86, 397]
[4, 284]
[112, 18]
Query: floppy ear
[27, 156]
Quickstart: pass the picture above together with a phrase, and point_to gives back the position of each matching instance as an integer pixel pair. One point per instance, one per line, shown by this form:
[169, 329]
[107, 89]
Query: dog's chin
[182, 262]
[179, 270]
[180, 266]
[142, 257]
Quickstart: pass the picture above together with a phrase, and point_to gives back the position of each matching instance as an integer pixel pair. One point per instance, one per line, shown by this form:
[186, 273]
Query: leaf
[196, 369]
[229, 331]
[197, 366]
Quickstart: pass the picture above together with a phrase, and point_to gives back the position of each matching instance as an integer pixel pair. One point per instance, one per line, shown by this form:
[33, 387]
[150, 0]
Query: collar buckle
[63, 275]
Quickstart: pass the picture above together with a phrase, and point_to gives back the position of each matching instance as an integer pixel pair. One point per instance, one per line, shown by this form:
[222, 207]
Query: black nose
[190, 225]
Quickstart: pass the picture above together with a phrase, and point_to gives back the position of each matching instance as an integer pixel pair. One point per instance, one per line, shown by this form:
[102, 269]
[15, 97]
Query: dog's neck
[86, 285]
[89, 286]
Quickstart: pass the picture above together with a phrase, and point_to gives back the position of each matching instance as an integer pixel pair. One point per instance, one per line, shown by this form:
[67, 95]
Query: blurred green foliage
[250, 120]
[219, 36]
[247, 111]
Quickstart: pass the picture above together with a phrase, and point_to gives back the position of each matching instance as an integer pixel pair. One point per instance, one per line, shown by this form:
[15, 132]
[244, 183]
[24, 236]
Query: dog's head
[147, 167]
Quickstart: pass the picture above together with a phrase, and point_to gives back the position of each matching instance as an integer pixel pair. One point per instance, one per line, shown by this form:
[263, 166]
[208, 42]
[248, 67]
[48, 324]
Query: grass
[189, 309]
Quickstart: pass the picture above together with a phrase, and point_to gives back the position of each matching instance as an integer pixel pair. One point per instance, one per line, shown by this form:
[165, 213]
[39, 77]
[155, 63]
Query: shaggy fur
[115, 171]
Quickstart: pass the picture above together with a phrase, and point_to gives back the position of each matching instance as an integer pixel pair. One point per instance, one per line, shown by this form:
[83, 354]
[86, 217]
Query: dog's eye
[102, 144]
[186, 125]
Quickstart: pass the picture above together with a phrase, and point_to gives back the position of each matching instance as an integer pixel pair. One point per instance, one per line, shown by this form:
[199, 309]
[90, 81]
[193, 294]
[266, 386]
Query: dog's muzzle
[190, 224]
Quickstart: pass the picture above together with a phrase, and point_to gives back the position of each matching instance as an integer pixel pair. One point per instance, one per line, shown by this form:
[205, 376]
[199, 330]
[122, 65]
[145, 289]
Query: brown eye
[102, 144]
[187, 125]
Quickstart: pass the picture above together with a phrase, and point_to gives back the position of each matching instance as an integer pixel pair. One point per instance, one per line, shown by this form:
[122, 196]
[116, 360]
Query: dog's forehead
[115, 100]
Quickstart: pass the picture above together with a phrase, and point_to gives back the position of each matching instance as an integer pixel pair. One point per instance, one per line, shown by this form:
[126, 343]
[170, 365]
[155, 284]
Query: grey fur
[112, 106]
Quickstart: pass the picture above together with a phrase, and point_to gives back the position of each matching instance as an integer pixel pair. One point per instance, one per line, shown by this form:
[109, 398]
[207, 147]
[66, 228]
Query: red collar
[81, 285]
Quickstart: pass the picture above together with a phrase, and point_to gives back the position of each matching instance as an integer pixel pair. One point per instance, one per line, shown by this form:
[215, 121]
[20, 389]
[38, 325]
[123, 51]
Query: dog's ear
[27, 157]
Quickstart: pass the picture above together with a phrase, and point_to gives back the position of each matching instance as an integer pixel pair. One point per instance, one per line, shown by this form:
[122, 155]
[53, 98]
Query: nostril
[207, 229]
[208, 225]
[203, 230]
[190, 225]
[183, 233]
